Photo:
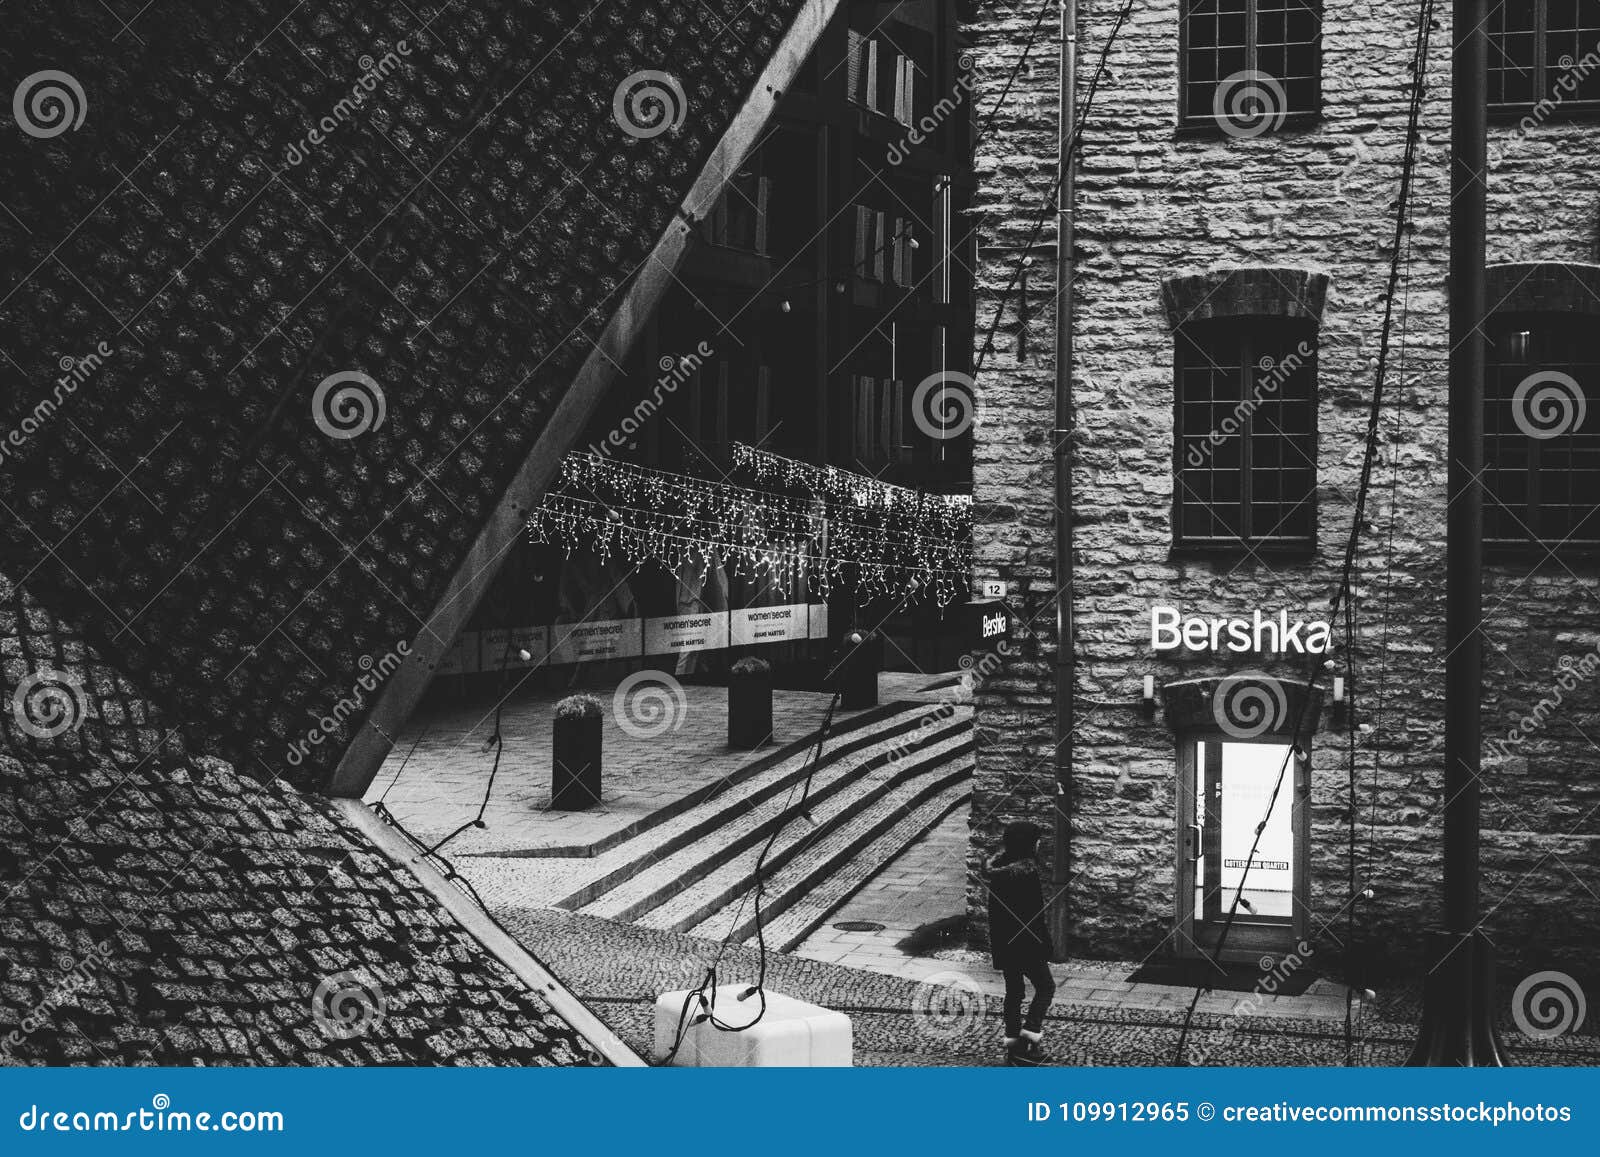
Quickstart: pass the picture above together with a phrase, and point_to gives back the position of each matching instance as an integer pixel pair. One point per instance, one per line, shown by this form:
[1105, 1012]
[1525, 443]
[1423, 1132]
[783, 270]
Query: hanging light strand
[841, 530]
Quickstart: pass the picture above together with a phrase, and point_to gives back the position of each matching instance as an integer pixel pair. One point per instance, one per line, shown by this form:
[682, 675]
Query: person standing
[1019, 940]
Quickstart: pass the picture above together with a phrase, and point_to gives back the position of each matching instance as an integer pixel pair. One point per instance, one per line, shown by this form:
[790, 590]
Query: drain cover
[859, 926]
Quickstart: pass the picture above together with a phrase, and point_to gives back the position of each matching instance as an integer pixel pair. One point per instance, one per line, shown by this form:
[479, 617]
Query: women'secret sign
[1171, 631]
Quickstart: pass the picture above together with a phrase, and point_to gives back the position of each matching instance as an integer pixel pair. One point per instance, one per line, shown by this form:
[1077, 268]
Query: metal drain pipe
[1065, 681]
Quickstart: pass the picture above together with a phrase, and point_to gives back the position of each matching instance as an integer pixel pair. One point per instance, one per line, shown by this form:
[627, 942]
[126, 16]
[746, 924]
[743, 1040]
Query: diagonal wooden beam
[404, 689]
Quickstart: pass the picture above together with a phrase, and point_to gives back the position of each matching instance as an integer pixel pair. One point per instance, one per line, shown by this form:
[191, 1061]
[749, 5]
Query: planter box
[750, 711]
[575, 763]
[858, 674]
[793, 1033]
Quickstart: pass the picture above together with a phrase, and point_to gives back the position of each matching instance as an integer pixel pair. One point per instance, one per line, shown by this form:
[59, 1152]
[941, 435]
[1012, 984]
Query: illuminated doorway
[1225, 792]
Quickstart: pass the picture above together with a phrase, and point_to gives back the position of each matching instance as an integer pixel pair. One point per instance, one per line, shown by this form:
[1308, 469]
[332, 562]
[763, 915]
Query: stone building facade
[1182, 232]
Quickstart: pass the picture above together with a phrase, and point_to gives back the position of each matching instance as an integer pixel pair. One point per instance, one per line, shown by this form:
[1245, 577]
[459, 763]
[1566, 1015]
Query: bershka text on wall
[1170, 630]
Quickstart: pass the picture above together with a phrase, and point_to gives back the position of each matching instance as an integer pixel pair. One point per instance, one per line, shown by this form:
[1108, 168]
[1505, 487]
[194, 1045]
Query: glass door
[1226, 794]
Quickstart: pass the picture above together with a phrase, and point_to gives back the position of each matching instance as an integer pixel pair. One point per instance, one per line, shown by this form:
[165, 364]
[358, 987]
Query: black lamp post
[1458, 1011]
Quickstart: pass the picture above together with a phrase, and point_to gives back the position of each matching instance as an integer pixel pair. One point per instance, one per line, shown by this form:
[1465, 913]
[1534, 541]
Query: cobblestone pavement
[434, 779]
[927, 884]
[941, 1008]
[618, 970]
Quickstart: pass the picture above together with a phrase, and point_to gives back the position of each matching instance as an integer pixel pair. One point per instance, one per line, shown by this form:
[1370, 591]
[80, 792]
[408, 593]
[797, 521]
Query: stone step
[847, 820]
[743, 823]
[709, 817]
[844, 730]
[789, 929]
[836, 863]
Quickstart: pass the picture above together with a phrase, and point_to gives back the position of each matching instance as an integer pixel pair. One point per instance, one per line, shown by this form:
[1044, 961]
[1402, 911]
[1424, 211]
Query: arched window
[1245, 393]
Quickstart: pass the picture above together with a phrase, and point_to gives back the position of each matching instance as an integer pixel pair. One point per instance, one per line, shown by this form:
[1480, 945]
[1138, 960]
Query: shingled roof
[156, 907]
[439, 206]
[293, 299]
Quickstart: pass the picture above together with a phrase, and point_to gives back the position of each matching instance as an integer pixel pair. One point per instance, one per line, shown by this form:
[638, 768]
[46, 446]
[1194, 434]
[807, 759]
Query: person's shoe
[1029, 1050]
[1008, 1046]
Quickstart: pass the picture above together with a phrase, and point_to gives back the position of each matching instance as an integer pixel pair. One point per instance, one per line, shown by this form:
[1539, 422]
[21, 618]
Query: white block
[791, 1034]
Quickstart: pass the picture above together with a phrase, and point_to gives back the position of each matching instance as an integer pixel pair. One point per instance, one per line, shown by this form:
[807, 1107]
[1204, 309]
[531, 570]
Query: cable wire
[1073, 146]
[1342, 594]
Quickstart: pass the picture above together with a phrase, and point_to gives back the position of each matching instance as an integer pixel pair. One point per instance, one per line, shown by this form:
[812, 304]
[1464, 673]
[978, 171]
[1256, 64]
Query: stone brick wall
[1153, 204]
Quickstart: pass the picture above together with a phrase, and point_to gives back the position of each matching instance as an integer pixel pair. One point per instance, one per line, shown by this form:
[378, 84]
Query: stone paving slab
[435, 778]
[547, 882]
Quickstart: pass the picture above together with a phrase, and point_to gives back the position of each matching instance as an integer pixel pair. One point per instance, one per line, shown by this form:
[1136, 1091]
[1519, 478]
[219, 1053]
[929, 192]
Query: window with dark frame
[1542, 433]
[1245, 469]
[1544, 50]
[1250, 64]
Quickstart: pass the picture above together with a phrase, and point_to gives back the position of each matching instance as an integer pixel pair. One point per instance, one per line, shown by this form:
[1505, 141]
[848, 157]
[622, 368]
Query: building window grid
[1542, 492]
[1245, 474]
[1279, 38]
[1545, 49]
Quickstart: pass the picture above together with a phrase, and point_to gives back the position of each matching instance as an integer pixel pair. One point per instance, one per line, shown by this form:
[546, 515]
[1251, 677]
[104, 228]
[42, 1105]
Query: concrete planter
[750, 705]
[575, 762]
[858, 674]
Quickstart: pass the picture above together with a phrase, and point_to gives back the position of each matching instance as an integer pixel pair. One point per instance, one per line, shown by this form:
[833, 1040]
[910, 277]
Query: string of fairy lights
[797, 524]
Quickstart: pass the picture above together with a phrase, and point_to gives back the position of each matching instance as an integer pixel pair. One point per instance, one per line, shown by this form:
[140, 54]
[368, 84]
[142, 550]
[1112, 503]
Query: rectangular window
[1250, 66]
[1545, 54]
[1246, 451]
[1542, 433]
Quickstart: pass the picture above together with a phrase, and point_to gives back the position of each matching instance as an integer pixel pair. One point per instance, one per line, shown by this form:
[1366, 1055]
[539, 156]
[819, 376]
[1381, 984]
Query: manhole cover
[858, 926]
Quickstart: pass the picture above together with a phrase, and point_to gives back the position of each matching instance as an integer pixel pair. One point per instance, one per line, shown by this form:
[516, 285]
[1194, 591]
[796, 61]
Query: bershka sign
[1170, 630]
[990, 621]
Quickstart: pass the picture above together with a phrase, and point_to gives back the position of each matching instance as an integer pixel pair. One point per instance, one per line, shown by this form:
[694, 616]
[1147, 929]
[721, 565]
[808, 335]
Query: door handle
[1194, 842]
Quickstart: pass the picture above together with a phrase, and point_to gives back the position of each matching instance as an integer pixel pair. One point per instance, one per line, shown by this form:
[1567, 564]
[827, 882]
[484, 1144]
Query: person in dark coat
[1019, 940]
